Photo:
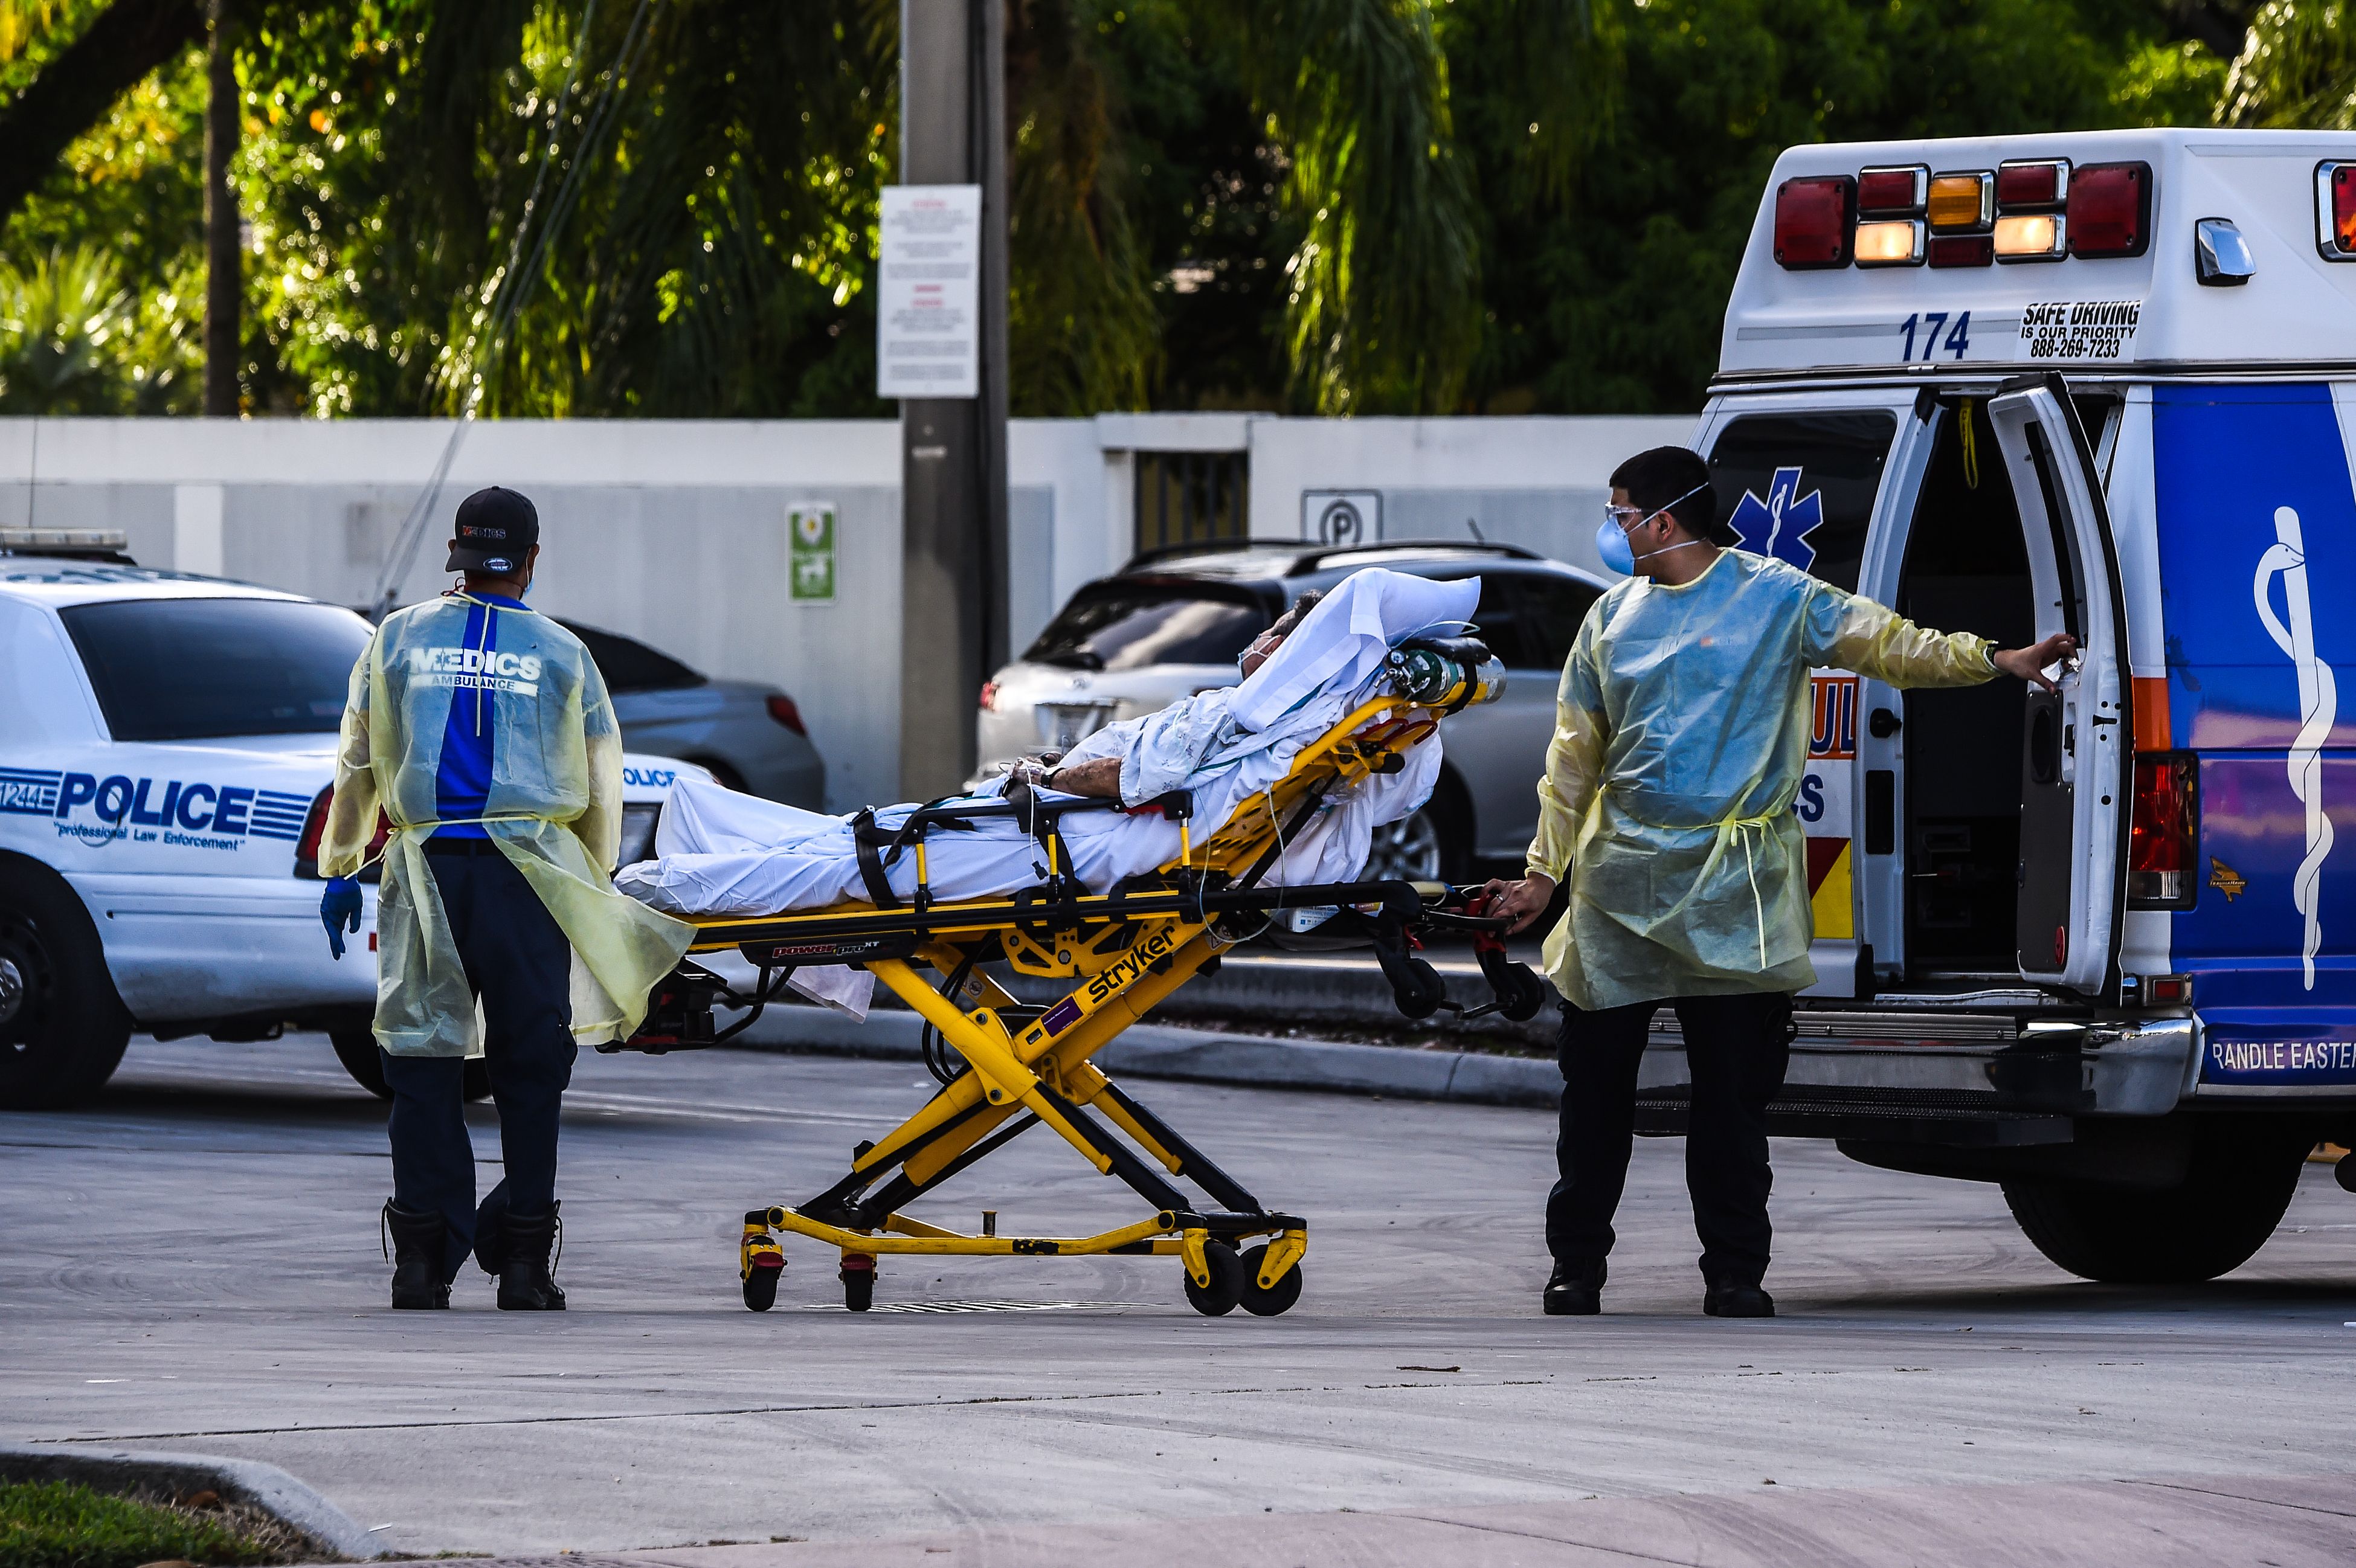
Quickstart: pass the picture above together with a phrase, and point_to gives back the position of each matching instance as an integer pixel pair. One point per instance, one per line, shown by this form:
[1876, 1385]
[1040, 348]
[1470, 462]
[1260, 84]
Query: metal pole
[953, 630]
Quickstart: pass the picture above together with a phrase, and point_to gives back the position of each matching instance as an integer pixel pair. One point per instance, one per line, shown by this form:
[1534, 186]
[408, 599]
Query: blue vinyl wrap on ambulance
[2253, 485]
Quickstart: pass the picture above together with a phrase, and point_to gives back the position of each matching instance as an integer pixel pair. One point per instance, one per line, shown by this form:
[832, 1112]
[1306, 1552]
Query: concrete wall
[675, 531]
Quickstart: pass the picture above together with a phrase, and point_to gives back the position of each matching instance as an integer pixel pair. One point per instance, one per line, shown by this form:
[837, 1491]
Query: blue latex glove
[339, 911]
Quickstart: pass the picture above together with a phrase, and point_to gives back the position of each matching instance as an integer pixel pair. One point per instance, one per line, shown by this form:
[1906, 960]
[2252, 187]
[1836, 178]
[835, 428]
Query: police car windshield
[1125, 625]
[191, 670]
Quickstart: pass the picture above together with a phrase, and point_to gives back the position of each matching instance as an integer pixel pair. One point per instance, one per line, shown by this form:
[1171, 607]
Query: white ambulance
[2098, 947]
[166, 747]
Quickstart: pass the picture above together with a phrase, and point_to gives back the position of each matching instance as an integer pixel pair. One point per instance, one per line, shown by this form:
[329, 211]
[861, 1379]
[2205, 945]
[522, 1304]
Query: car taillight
[1813, 219]
[314, 828]
[2335, 211]
[988, 701]
[2164, 834]
[2110, 211]
[782, 710]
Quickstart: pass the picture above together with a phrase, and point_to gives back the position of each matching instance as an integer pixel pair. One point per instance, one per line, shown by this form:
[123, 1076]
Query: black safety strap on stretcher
[880, 848]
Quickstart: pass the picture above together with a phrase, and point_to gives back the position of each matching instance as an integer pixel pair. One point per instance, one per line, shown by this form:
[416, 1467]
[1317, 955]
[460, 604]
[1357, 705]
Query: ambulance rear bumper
[1955, 1078]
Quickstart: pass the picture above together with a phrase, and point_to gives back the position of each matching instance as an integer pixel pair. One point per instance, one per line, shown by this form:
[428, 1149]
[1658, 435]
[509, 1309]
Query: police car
[2099, 947]
[166, 746]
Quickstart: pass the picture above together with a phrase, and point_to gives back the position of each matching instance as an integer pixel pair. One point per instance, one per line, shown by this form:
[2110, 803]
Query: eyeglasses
[1625, 516]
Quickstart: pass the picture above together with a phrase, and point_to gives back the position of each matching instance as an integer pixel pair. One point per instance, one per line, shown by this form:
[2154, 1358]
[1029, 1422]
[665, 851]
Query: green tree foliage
[667, 207]
[2296, 69]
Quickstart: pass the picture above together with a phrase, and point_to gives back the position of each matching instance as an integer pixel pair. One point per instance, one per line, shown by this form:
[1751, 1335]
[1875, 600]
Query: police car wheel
[2233, 1198]
[356, 1049]
[63, 1028]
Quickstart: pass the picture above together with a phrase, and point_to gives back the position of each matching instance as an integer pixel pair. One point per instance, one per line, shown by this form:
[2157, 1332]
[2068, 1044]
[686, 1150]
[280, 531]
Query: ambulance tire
[66, 1029]
[356, 1049]
[2231, 1202]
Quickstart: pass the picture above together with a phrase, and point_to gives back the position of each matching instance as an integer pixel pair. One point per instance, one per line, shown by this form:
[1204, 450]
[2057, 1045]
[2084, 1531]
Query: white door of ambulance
[1825, 480]
[2074, 763]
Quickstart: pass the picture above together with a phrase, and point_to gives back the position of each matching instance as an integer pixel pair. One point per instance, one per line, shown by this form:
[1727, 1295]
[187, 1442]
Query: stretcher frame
[1029, 1066]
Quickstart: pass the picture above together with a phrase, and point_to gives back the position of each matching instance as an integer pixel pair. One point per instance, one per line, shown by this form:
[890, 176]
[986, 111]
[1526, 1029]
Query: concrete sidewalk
[2200, 1521]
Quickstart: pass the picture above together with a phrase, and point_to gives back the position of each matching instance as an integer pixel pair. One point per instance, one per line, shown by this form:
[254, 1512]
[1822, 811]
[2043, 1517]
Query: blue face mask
[1611, 539]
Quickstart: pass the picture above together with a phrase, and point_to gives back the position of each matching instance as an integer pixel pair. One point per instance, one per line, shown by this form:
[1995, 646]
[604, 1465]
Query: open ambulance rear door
[2076, 751]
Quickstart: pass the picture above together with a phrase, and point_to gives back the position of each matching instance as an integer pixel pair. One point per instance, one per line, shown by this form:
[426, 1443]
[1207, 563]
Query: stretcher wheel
[858, 1284]
[1416, 989]
[1278, 1299]
[761, 1285]
[1523, 994]
[1219, 1298]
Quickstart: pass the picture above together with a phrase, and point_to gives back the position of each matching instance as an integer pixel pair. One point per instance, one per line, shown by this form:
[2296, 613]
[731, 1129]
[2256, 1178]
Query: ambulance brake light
[1813, 217]
[1893, 242]
[2110, 211]
[2033, 182]
[2164, 833]
[1892, 193]
[2335, 211]
[2031, 237]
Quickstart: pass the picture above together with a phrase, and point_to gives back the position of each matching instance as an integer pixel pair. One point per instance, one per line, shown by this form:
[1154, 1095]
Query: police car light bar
[2026, 209]
[2335, 211]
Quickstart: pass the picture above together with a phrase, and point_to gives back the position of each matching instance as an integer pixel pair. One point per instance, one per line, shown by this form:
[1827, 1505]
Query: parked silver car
[1171, 622]
[749, 736]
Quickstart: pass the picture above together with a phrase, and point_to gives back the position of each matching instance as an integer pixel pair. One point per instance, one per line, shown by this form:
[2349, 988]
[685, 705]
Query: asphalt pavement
[191, 1265]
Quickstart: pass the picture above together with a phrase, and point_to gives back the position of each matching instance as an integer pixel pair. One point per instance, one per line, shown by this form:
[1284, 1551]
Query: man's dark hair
[1653, 479]
[1298, 613]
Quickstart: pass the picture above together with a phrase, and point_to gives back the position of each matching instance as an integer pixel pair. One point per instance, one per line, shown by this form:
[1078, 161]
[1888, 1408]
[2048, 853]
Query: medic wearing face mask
[1681, 735]
[482, 733]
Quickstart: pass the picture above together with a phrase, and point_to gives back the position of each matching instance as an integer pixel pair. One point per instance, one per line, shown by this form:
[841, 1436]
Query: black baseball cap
[497, 528]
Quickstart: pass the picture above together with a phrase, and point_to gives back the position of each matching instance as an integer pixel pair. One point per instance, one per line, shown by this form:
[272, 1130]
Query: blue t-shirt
[463, 787]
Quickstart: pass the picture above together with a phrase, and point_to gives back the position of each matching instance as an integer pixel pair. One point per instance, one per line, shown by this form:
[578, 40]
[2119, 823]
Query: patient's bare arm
[1099, 777]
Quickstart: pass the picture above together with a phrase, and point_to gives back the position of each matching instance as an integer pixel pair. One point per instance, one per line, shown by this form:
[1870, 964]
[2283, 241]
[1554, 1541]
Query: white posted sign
[928, 314]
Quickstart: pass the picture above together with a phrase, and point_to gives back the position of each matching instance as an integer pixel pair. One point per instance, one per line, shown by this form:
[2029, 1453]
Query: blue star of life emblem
[1779, 526]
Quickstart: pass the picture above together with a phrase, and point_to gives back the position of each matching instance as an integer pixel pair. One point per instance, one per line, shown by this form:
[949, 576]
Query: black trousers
[519, 964]
[1737, 1047]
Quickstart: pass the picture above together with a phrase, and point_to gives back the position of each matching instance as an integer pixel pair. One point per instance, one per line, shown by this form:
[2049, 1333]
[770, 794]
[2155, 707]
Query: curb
[1152, 1051]
[248, 1481]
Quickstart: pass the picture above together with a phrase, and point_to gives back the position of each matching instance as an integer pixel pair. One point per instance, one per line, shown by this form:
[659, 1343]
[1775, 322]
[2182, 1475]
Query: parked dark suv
[1171, 622]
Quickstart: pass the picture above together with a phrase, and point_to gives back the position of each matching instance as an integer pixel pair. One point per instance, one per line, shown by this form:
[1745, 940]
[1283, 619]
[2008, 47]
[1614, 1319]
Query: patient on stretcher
[721, 853]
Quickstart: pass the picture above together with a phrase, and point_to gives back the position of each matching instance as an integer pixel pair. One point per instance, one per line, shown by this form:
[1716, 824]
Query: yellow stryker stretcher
[1126, 949]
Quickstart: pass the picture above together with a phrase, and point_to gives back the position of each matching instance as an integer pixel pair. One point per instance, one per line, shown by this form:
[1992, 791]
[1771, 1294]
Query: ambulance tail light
[1893, 242]
[2110, 211]
[2031, 237]
[2335, 211]
[1815, 218]
[2027, 183]
[2164, 834]
[1892, 193]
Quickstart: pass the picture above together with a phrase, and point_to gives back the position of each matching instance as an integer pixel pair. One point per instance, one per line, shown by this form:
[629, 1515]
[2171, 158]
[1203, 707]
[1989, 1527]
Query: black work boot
[525, 1285]
[1735, 1298]
[420, 1243]
[1575, 1290]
